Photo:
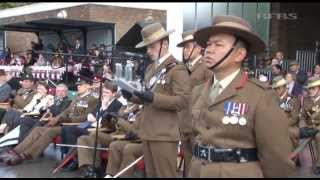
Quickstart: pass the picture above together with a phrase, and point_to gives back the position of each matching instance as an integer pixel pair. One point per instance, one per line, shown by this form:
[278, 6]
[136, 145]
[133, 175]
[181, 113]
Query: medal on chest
[234, 113]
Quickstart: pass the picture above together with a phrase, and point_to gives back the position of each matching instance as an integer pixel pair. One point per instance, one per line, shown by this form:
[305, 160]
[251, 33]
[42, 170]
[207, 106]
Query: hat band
[232, 24]
[282, 82]
[313, 84]
[154, 36]
[189, 37]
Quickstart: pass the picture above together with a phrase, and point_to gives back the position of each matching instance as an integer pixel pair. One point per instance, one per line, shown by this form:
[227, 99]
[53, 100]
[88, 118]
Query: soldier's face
[153, 50]
[187, 50]
[317, 69]
[82, 88]
[279, 55]
[26, 84]
[107, 95]
[314, 91]
[217, 47]
[289, 78]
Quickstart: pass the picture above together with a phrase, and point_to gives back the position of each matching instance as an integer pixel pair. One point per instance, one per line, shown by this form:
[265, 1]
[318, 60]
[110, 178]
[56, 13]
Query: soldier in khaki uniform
[23, 97]
[290, 105]
[311, 115]
[240, 129]
[124, 152]
[40, 137]
[199, 73]
[167, 91]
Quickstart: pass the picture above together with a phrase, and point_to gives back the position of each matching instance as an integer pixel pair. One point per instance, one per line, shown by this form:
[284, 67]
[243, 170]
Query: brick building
[121, 18]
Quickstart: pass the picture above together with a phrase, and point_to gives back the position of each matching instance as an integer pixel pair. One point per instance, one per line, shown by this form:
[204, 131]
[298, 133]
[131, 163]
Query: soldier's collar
[194, 61]
[85, 94]
[284, 95]
[316, 99]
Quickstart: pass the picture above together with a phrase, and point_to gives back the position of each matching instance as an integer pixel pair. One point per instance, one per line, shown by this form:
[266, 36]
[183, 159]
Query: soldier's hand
[126, 94]
[146, 96]
[306, 132]
[52, 122]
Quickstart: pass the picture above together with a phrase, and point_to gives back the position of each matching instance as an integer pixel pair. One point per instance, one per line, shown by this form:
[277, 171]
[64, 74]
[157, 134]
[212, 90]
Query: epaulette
[260, 84]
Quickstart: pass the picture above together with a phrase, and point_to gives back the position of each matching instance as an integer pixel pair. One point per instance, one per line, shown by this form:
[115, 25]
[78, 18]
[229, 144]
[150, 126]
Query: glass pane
[203, 15]
[263, 23]
[235, 9]
[189, 16]
[219, 9]
[250, 13]
[1, 40]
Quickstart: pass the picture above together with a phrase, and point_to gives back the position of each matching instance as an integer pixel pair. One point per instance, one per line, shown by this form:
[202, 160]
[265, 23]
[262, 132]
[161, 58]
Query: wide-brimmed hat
[313, 82]
[293, 63]
[83, 80]
[187, 36]
[231, 25]
[27, 76]
[152, 33]
[278, 81]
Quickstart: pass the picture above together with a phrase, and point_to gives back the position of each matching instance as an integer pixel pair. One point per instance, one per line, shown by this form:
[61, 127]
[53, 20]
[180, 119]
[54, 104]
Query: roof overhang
[52, 24]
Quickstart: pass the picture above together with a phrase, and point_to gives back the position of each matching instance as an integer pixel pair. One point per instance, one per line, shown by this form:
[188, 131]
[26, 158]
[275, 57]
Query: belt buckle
[239, 157]
[203, 153]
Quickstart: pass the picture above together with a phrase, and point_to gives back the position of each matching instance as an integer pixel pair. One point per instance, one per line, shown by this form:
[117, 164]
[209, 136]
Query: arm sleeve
[271, 127]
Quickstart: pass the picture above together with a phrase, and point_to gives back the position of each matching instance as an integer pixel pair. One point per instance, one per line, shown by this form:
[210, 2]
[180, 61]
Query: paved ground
[42, 167]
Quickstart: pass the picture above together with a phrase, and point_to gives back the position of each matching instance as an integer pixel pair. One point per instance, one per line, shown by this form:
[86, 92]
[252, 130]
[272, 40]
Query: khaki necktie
[214, 92]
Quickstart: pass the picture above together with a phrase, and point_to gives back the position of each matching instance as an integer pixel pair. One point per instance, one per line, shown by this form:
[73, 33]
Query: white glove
[91, 118]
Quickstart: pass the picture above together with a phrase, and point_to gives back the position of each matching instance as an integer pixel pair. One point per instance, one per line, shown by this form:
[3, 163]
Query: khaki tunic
[313, 120]
[266, 130]
[23, 98]
[293, 116]
[159, 121]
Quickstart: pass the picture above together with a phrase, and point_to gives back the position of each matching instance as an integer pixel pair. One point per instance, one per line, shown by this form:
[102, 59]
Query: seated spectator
[40, 100]
[40, 61]
[21, 98]
[290, 82]
[57, 61]
[60, 103]
[316, 70]
[276, 70]
[5, 88]
[40, 137]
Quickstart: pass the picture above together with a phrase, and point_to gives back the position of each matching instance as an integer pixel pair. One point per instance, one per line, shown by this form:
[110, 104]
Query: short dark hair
[111, 86]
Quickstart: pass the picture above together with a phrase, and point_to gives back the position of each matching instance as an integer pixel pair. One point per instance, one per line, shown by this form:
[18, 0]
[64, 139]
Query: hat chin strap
[160, 50]
[185, 60]
[227, 55]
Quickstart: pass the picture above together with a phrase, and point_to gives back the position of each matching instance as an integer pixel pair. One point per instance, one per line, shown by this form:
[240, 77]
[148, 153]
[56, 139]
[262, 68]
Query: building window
[2, 40]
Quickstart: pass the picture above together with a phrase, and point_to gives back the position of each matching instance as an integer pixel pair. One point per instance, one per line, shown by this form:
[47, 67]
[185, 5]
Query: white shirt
[225, 81]
[162, 59]
[34, 107]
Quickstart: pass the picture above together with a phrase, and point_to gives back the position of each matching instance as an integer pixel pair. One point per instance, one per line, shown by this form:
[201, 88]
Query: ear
[165, 44]
[240, 54]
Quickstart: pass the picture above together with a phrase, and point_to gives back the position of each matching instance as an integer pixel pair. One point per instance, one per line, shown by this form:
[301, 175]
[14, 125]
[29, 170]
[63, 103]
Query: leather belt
[239, 155]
